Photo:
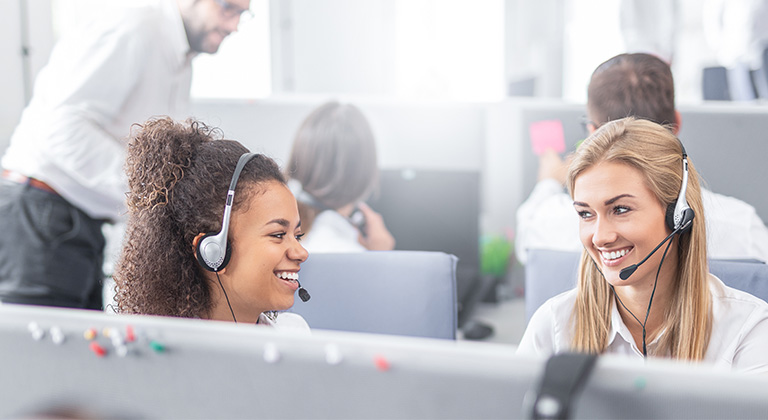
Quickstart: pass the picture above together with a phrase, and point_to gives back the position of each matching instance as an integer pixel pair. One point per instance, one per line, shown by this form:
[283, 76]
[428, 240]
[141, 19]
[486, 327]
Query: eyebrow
[283, 222]
[607, 202]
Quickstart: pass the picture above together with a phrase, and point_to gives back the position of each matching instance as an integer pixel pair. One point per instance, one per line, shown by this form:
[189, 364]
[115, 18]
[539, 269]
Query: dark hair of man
[639, 85]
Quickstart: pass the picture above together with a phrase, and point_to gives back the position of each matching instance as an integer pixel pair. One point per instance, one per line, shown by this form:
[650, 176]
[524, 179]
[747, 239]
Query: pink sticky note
[547, 134]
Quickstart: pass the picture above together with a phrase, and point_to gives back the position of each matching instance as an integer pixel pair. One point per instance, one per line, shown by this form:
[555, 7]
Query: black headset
[213, 250]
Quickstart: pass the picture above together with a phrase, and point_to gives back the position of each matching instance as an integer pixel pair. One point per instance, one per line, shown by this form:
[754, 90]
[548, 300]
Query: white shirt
[547, 220]
[99, 80]
[285, 321]
[739, 337]
[332, 232]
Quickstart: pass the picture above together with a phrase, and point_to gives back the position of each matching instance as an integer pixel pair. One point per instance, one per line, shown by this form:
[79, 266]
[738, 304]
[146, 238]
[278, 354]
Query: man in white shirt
[639, 85]
[62, 175]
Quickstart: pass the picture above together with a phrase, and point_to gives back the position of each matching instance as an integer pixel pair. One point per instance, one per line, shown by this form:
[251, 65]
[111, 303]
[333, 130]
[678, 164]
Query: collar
[620, 330]
[177, 35]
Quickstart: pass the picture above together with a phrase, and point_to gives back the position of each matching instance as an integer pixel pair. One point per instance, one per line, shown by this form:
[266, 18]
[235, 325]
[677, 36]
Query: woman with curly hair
[644, 287]
[178, 177]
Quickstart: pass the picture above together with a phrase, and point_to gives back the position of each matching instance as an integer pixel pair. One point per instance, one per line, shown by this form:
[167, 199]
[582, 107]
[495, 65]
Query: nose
[604, 233]
[230, 24]
[297, 252]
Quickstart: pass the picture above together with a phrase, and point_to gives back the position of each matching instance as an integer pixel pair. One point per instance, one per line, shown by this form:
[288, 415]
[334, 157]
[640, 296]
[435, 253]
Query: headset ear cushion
[670, 216]
[202, 261]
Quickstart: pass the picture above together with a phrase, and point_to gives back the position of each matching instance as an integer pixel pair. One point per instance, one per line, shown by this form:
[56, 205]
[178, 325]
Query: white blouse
[285, 321]
[332, 232]
[739, 338]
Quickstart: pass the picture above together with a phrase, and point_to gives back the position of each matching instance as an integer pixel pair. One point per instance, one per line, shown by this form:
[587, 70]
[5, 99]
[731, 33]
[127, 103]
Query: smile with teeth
[288, 275]
[614, 254]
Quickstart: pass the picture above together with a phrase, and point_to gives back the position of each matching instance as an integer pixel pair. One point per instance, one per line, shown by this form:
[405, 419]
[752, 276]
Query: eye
[621, 209]
[300, 236]
[584, 214]
[278, 235]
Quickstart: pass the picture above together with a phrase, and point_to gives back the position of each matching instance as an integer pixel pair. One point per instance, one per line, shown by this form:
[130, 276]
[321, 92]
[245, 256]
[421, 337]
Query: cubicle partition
[120, 366]
[725, 141]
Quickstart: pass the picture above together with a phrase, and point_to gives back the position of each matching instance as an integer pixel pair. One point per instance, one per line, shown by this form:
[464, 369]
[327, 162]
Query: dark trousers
[51, 253]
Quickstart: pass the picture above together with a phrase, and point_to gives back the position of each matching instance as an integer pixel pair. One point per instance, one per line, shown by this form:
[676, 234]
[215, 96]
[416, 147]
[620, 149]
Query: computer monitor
[434, 210]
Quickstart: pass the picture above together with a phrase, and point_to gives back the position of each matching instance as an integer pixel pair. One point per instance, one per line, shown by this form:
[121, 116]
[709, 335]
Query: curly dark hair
[178, 177]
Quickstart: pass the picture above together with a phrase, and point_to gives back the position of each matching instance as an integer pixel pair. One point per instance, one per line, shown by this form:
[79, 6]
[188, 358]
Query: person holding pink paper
[639, 85]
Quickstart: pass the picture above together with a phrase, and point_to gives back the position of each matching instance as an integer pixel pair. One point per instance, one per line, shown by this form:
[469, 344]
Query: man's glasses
[229, 11]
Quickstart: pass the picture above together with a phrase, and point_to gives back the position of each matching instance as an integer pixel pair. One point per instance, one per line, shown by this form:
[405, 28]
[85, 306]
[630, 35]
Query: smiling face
[208, 22]
[266, 254]
[621, 221]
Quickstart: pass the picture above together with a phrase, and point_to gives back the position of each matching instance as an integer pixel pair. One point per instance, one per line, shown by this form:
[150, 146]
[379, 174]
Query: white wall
[11, 79]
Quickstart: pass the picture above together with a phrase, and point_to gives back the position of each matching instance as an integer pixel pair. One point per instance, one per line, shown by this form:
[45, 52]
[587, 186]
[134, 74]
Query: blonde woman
[644, 288]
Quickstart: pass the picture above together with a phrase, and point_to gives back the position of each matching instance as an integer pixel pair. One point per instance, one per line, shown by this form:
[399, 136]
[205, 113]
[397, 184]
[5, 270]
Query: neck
[636, 298]
[346, 210]
[221, 311]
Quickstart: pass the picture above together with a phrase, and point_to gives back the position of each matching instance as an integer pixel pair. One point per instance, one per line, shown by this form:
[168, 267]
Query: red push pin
[130, 336]
[97, 349]
[381, 363]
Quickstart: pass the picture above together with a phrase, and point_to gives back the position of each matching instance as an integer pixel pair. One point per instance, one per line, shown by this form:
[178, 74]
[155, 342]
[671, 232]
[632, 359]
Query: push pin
[381, 363]
[97, 349]
[271, 355]
[37, 332]
[121, 350]
[57, 335]
[130, 335]
[157, 346]
[90, 334]
[333, 354]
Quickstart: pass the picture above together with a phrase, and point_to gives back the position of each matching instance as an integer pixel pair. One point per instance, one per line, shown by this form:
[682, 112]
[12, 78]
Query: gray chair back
[549, 273]
[409, 293]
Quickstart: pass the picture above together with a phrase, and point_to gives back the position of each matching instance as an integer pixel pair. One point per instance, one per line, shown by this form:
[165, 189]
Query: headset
[356, 218]
[679, 218]
[213, 250]
[679, 214]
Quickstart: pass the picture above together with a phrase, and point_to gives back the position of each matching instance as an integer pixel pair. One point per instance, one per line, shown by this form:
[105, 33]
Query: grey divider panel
[386, 292]
[224, 370]
[749, 276]
[211, 370]
[549, 273]
[727, 145]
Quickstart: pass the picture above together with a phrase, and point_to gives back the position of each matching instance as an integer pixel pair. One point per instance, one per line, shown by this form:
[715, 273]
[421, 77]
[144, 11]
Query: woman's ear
[196, 242]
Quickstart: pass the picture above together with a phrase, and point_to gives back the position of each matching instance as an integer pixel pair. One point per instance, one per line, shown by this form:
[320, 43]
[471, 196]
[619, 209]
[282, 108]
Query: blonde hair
[657, 154]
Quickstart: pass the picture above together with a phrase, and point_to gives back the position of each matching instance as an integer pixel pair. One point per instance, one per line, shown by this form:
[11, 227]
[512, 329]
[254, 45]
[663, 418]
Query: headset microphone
[303, 294]
[628, 271]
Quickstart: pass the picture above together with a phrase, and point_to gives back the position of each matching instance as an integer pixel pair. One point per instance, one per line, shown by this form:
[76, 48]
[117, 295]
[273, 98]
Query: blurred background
[448, 85]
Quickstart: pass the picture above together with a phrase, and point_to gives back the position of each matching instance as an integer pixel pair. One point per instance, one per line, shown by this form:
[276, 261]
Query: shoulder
[715, 203]
[548, 330]
[739, 329]
[735, 309]
[332, 233]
